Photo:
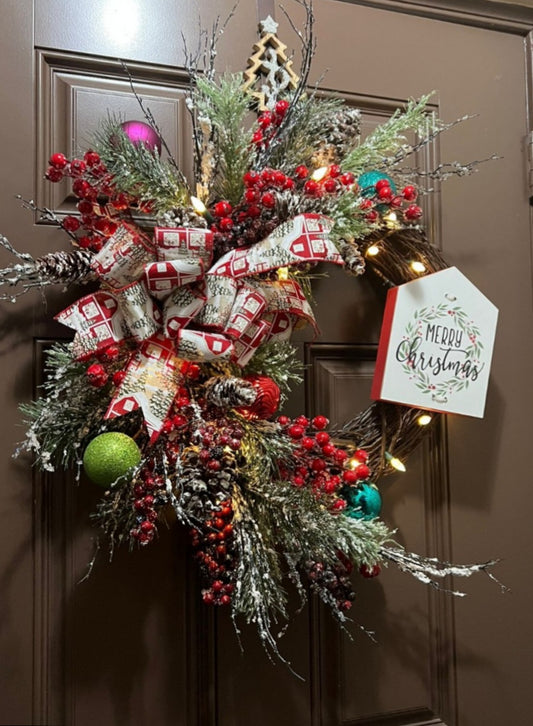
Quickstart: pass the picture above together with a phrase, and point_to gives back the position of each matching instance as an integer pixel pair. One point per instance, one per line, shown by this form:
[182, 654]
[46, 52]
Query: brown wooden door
[133, 645]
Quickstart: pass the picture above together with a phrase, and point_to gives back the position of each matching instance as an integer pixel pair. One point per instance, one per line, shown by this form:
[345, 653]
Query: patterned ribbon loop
[169, 303]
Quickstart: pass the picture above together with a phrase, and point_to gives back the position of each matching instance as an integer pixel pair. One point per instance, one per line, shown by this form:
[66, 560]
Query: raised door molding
[504, 17]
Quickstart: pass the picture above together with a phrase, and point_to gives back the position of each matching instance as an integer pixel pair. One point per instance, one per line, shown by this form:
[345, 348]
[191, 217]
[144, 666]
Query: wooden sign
[436, 344]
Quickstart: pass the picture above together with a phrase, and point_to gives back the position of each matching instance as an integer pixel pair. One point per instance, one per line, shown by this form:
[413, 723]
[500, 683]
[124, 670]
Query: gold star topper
[269, 72]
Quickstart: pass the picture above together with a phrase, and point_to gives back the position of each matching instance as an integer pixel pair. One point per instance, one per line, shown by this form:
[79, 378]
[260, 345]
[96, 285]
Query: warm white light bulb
[283, 273]
[395, 462]
[418, 266]
[198, 206]
[372, 251]
[424, 419]
[319, 173]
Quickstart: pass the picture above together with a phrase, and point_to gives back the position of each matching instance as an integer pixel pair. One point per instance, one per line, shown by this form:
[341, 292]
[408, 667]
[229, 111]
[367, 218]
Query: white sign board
[436, 344]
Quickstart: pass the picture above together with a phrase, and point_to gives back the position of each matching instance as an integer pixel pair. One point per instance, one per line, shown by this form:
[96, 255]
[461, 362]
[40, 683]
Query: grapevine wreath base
[169, 392]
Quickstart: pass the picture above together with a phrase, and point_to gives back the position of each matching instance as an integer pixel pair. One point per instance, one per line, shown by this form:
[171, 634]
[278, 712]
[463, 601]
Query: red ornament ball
[140, 133]
[267, 398]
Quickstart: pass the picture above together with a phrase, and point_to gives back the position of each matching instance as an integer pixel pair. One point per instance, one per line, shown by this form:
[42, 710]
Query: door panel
[133, 644]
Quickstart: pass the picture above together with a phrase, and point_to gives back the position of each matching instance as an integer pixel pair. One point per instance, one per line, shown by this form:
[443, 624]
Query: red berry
[77, 167]
[372, 216]
[283, 420]
[296, 431]
[385, 194]
[147, 527]
[251, 179]
[214, 465]
[112, 352]
[413, 212]
[362, 471]
[235, 444]
[257, 137]
[251, 196]
[267, 176]
[118, 377]
[330, 185]
[361, 455]
[311, 188]
[179, 420]
[318, 465]
[382, 184]
[71, 224]
[222, 209]
[193, 372]
[347, 178]
[334, 171]
[349, 476]
[298, 481]
[208, 597]
[268, 200]
[225, 224]
[217, 586]
[330, 486]
[225, 600]
[53, 174]
[82, 188]
[279, 179]
[85, 207]
[319, 422]
[302, 420]
[301, 172]
[58, 160]
[409, 193]
[366, 204]
[396, 202]
[328, 450]
[322, 437]
[339, 504]
[282, 107]
[308, 443]
[340, 456]
[265, 119]
[91, 158]
[370, 570]
[289, 184]
[254, 211]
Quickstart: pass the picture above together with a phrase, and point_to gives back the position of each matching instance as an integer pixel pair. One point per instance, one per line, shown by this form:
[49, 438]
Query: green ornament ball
[110, 456]
[367, 182]
[364, 501]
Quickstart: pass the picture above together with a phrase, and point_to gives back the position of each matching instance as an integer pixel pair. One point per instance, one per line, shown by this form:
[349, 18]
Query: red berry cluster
[99, 202]
[149, 492]
[268, 122]
[109, 358]
[318, 463]
[214, 553]
[333, 581]
[385, 200]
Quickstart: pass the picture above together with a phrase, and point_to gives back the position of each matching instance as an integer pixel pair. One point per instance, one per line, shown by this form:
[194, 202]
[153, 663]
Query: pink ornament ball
[140, 133]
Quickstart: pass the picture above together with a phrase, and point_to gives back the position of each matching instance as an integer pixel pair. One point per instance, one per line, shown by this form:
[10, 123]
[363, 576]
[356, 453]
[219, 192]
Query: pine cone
[353, 259]
[65, 267]
[340, 133]
[229, 392]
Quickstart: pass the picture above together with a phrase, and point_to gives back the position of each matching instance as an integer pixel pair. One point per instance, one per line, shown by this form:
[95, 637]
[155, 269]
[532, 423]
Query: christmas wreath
[168, 394]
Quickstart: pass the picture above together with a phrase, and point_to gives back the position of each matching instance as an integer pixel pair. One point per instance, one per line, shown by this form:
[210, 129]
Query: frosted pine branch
[54, 268]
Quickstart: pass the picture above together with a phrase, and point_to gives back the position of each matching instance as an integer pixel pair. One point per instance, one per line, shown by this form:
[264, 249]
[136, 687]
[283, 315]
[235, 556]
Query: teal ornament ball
[110, 456]
[363, 501]
[367, 182]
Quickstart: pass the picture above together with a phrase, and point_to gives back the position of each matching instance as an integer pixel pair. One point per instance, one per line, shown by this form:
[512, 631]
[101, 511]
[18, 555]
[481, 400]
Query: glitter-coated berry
[319, 422]
[71, 224]
[222, 209]
[413, 212]
[58, 160]
[409, 193]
